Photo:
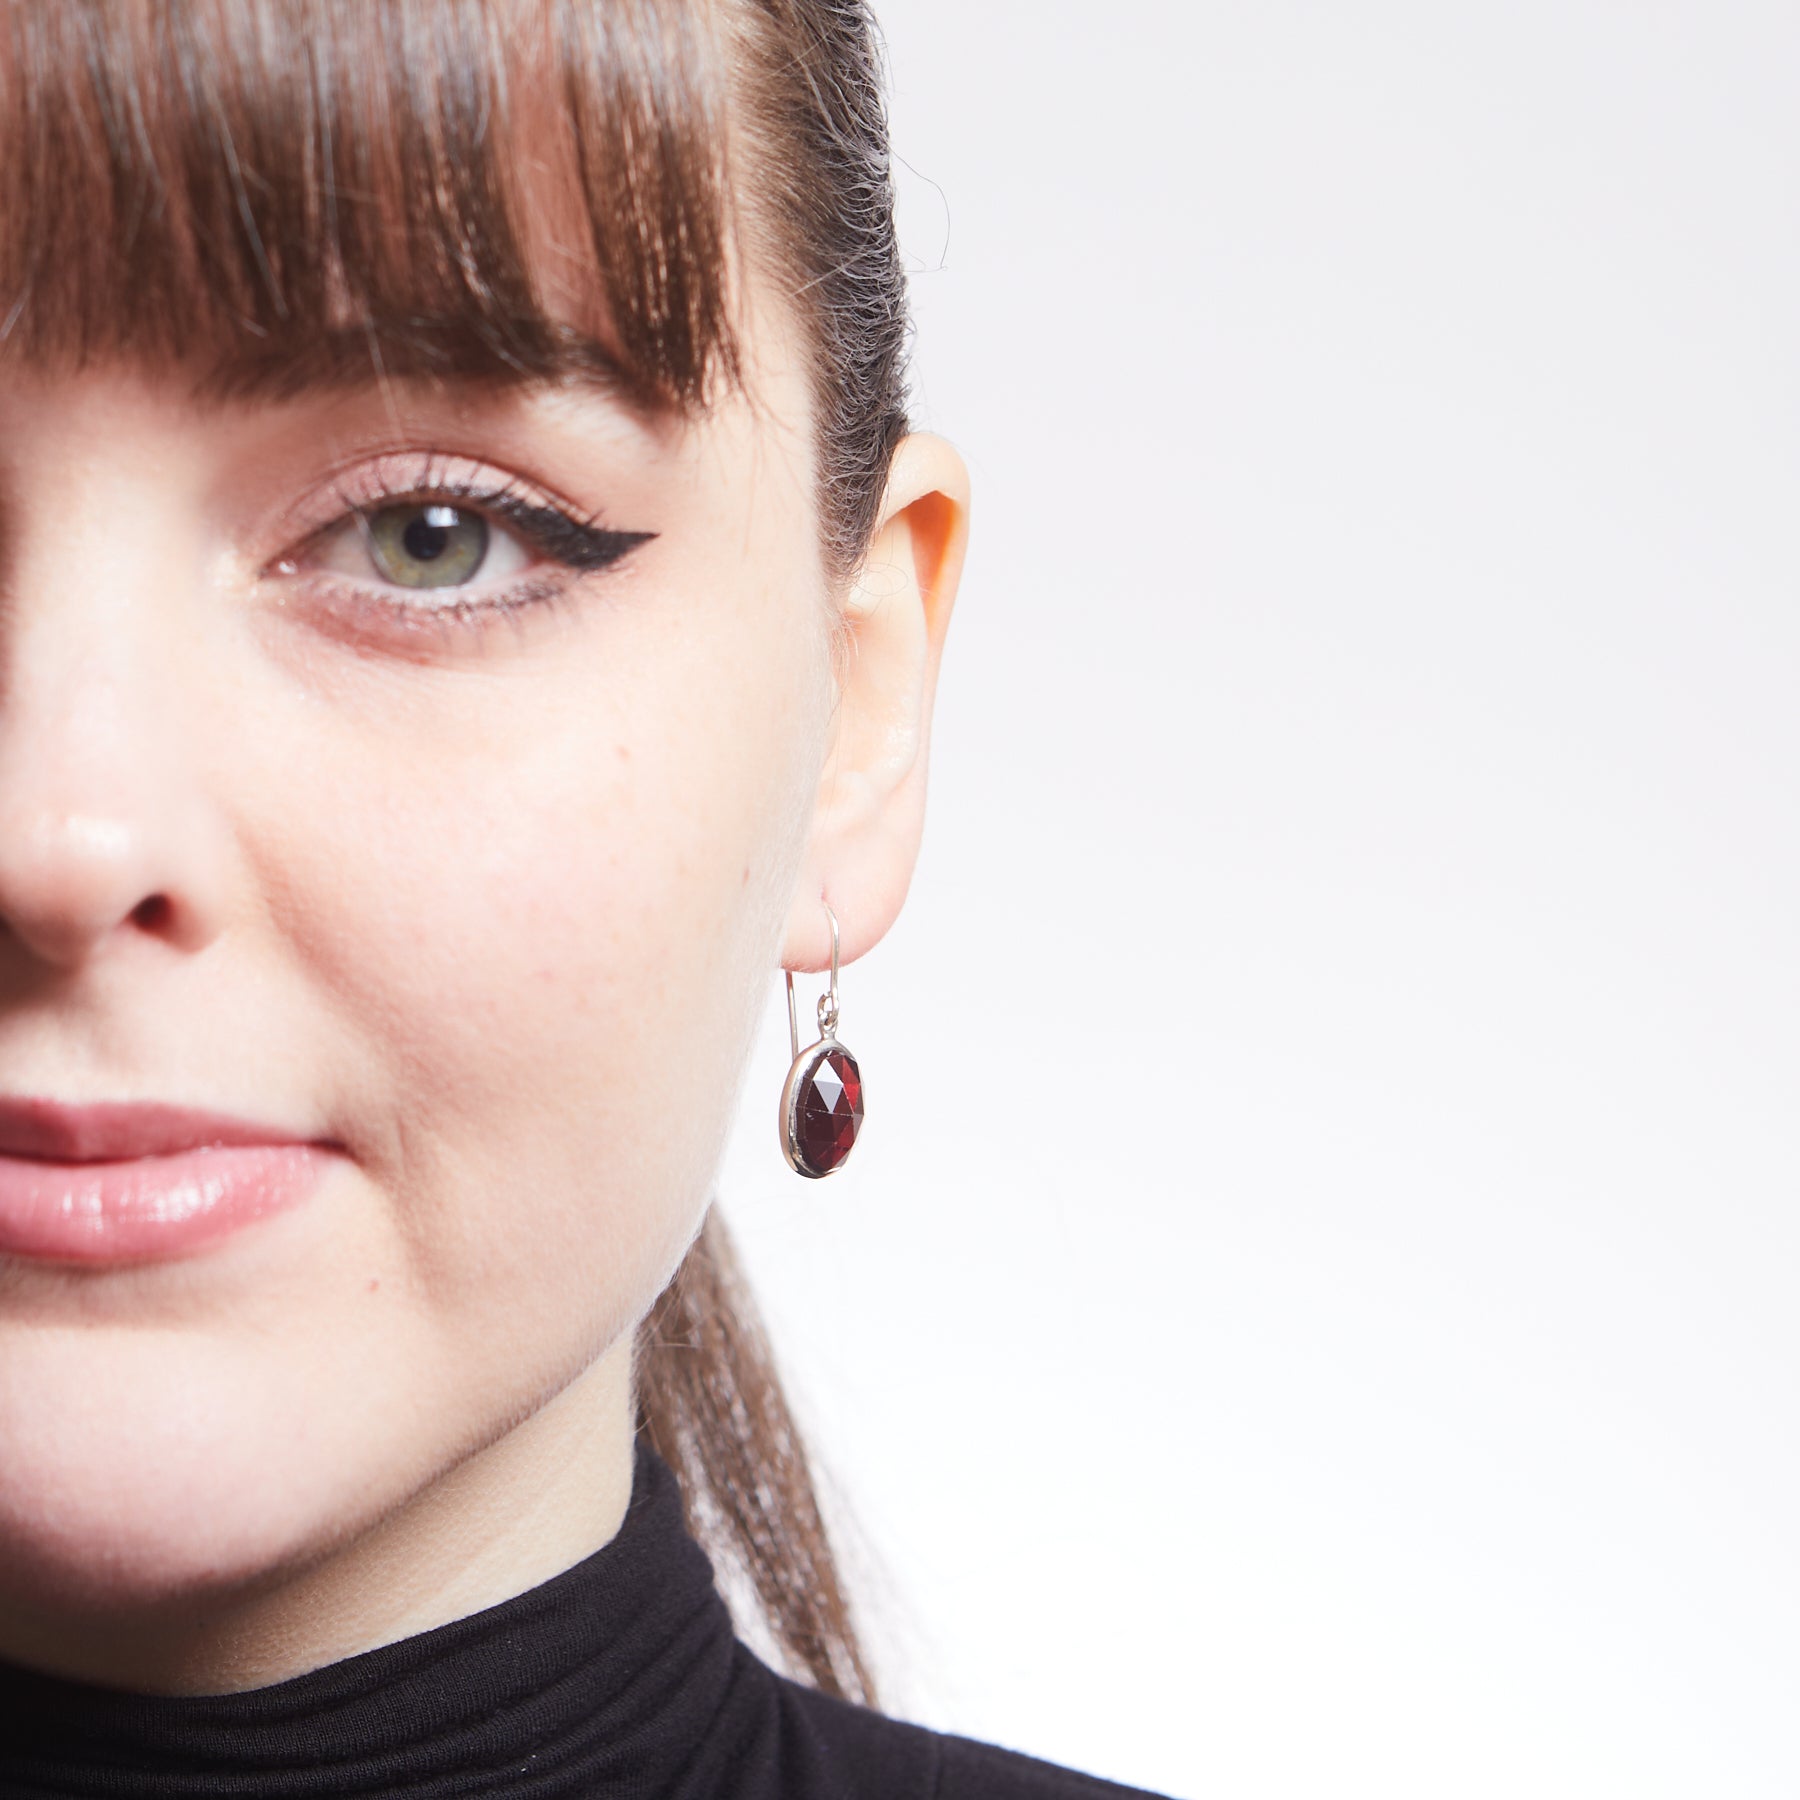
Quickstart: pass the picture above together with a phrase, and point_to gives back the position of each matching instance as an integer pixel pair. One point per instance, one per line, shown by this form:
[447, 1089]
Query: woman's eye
[427, 550]
[421, 544]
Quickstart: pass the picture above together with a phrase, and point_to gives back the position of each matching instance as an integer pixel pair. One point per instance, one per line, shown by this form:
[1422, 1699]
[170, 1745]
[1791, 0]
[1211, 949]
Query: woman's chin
[177, 1473]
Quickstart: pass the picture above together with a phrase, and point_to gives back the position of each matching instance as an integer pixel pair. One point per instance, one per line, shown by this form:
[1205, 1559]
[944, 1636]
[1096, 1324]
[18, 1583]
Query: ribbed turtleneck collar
[603, 1681]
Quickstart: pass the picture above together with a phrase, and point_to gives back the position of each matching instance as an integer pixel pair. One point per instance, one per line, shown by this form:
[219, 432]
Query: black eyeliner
[576, 543]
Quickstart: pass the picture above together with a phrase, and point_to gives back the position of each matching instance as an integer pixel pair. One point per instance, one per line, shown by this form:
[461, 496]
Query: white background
[1313, 1310]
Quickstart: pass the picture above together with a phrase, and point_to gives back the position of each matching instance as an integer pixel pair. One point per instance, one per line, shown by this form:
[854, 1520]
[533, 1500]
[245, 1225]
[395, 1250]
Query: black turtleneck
[620, 1679]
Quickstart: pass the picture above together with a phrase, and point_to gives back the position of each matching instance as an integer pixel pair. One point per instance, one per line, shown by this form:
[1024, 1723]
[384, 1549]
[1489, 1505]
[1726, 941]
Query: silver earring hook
[828, 1001]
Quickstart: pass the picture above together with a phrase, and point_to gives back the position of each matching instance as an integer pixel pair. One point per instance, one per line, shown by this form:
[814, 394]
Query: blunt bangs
[283, 191]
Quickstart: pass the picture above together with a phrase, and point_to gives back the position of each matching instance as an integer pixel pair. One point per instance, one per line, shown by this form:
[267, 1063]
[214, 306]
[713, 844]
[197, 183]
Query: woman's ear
[870, 808]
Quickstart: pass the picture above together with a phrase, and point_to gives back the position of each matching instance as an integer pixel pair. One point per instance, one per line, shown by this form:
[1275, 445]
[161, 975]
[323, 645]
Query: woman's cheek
[542, 963]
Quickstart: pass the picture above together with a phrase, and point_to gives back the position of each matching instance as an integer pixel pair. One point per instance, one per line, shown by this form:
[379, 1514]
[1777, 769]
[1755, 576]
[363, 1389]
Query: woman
[471, 613]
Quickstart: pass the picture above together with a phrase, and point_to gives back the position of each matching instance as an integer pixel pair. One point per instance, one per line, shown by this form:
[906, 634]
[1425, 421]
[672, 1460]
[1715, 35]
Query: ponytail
[711, 1405]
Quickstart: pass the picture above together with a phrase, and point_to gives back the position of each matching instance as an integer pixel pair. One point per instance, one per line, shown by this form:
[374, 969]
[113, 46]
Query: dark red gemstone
[830, 1110]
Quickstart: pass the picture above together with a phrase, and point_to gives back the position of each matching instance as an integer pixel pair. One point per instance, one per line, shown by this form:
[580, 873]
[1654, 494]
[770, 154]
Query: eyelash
[580, 546]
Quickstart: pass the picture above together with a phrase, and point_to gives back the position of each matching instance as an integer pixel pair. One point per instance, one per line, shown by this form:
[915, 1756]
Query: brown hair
[287, 191]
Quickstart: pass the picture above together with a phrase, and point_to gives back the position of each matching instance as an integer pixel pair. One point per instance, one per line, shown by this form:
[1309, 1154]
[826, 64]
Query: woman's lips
[127, 1182]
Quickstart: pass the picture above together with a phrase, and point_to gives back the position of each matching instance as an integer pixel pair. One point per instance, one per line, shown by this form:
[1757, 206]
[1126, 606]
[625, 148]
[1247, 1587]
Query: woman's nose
[104, 828]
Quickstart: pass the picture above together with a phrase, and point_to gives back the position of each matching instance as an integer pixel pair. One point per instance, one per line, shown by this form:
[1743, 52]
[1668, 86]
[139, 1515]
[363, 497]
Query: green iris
[426, 544]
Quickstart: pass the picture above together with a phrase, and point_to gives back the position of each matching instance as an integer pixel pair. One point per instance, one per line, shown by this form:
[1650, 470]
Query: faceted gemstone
[830, 1110]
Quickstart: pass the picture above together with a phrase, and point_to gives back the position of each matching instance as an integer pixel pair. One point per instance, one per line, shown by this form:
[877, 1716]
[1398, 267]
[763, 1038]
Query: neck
[548, 1493]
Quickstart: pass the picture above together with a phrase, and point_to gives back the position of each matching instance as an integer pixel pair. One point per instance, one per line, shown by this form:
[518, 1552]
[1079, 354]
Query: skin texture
[492, 908]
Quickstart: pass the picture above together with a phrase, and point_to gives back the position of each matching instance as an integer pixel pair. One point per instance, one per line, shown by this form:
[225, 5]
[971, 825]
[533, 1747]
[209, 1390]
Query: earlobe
[870, 808]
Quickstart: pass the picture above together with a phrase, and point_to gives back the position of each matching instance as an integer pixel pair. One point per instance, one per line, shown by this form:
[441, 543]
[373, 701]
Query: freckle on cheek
[374, 1283]
[624, 751]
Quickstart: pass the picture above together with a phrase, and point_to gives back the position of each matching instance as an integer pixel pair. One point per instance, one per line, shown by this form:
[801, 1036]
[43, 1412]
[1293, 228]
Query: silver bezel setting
[798, 1074]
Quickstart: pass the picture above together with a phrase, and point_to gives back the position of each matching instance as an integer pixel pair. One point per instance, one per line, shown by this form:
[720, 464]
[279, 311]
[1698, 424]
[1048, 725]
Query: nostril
[152, 913]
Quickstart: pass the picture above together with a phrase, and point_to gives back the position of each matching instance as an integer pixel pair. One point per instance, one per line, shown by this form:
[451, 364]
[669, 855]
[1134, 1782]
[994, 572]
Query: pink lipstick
[126, 1182]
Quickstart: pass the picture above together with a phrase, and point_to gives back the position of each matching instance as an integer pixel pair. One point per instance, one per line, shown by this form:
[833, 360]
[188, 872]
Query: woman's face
[392, 832]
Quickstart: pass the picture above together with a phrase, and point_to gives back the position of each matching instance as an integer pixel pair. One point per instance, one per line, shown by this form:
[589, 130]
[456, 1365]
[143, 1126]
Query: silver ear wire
[822, 1098]
[828, 1001]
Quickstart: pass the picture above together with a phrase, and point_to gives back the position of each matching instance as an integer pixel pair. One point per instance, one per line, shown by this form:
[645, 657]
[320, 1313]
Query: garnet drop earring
[822, 1099]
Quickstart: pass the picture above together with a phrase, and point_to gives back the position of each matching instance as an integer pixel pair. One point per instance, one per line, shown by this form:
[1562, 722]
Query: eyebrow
[349, 359]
